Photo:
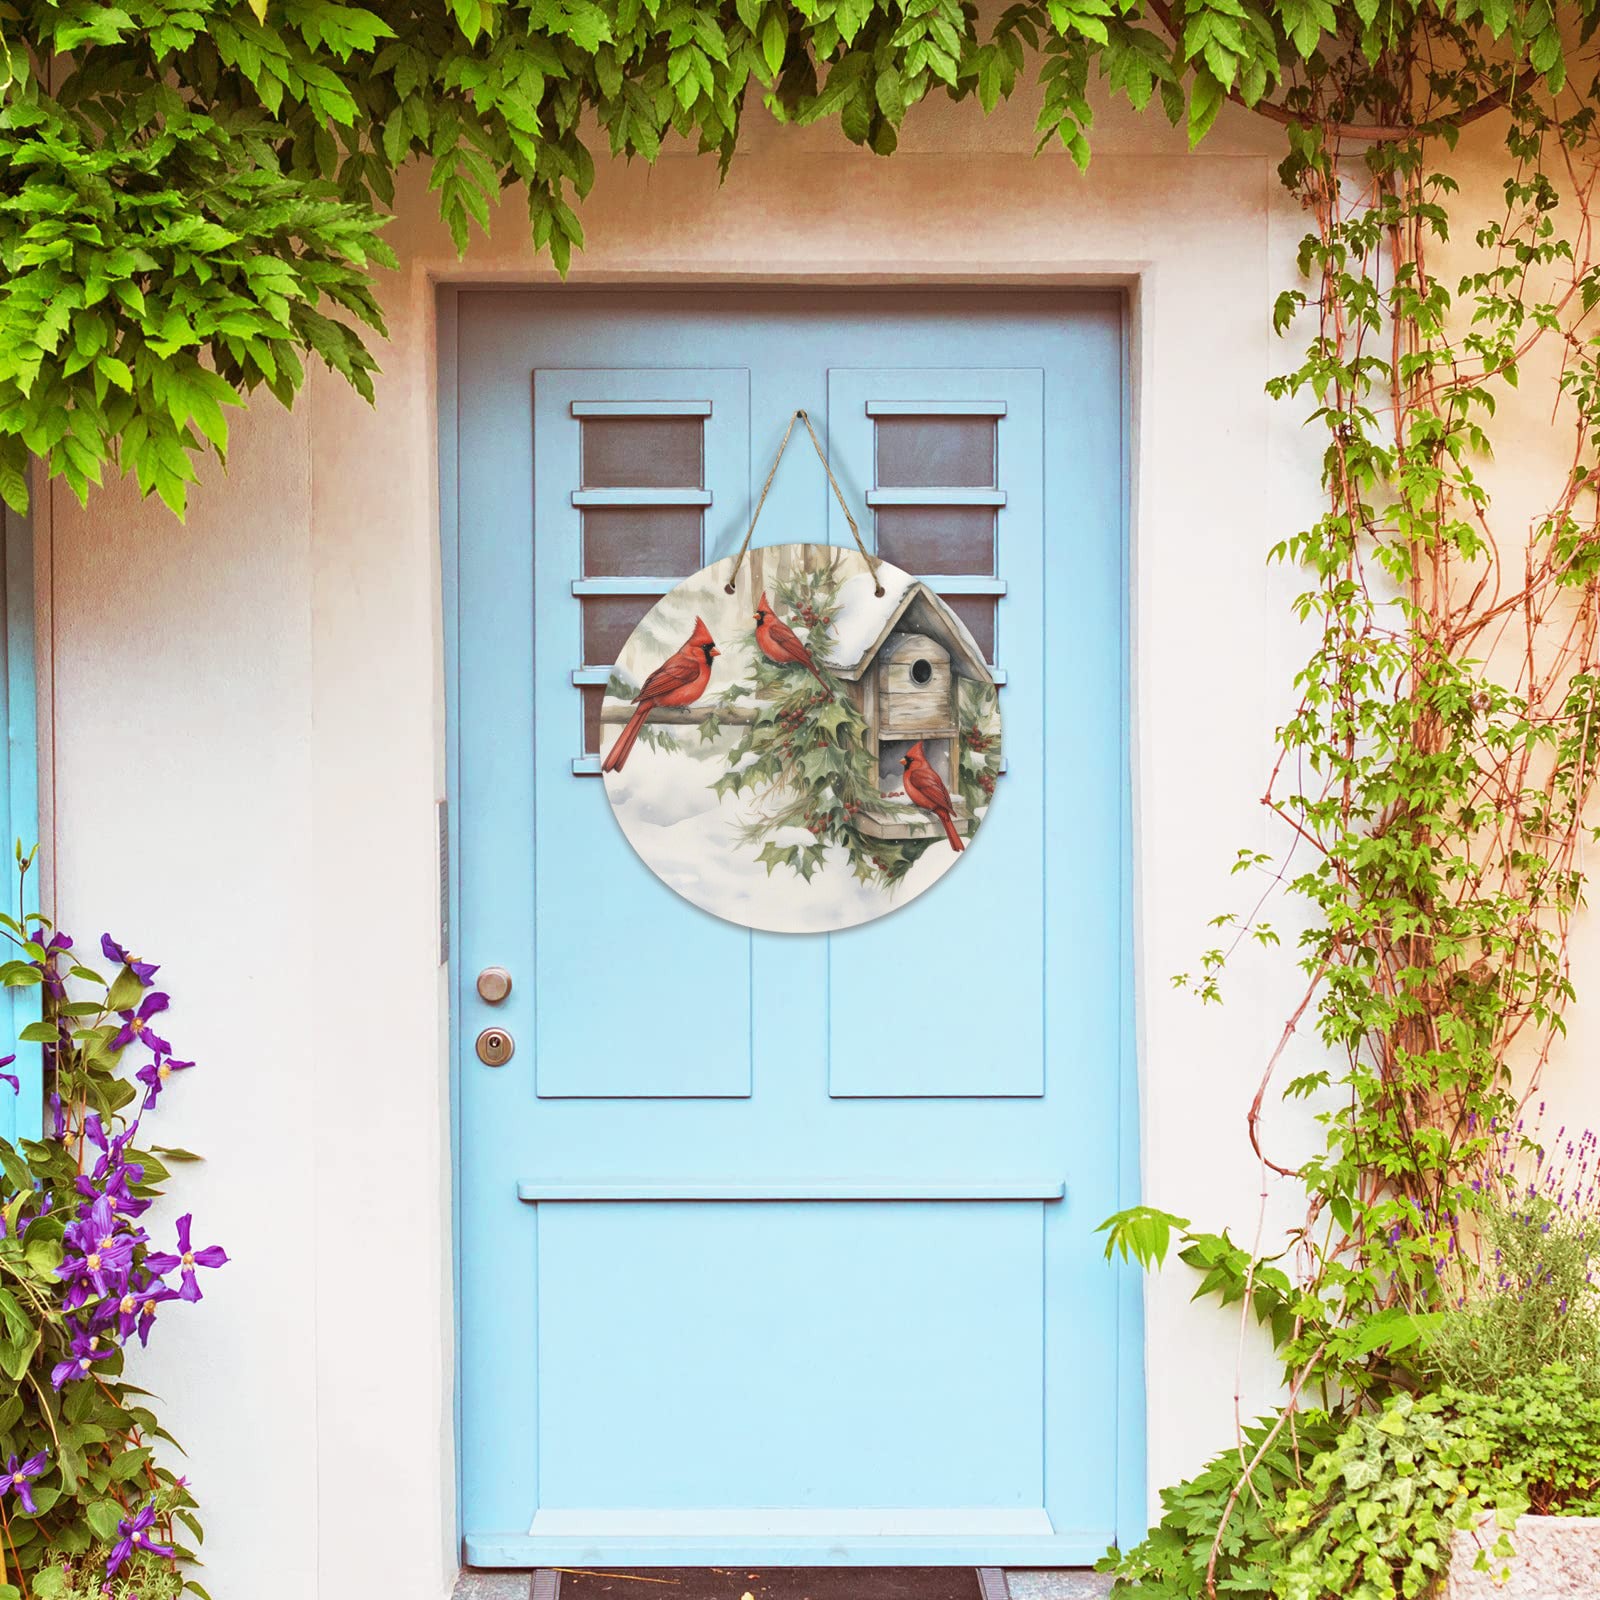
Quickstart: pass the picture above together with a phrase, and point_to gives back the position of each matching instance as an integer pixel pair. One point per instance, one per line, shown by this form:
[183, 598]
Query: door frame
[1132, 1506]
[22, 1113]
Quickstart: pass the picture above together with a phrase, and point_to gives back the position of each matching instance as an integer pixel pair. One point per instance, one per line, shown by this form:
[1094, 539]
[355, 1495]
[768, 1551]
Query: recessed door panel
[838, 1350]
[954, 460]
[631, 469]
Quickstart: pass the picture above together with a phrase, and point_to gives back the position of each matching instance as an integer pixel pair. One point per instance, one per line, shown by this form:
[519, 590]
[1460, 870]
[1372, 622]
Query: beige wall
[248, 720]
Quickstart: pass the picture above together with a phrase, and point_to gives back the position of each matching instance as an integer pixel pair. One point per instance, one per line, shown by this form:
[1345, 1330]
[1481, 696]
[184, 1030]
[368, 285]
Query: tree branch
[1375, 132]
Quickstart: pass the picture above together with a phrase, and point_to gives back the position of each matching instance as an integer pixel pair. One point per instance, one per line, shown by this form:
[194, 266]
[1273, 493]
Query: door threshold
[892, 1583]
[527, 1551]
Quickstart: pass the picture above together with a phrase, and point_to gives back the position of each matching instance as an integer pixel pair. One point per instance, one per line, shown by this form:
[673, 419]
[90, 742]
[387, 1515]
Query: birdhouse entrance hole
[921, 671]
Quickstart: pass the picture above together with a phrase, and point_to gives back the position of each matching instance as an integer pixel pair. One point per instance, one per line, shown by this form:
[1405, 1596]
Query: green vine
[1435, 779]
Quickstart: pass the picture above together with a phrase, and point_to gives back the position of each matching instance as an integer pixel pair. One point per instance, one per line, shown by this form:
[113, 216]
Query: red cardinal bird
[680, 680]
[925, 789]
[780, 643]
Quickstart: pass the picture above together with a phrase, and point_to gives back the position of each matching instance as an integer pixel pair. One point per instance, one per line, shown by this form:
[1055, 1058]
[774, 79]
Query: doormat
[773, 1583]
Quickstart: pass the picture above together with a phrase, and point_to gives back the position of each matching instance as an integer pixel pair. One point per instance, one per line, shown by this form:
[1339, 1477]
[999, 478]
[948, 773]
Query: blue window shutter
[21, 1115]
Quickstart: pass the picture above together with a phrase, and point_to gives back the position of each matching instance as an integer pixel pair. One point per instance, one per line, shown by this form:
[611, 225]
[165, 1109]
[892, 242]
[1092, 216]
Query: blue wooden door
[785, 1252]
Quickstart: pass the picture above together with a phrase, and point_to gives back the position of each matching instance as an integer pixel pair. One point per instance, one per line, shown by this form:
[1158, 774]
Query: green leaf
[103, 1517]
[128, 1465]
[774, 39]
[43, 1255]
[1205, 101]
[13, 487]
[1141, 1233]
[18, 1174]
[126, 991]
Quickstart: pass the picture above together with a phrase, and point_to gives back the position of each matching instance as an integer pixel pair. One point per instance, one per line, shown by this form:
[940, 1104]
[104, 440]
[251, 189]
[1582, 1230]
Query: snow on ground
[690, 840]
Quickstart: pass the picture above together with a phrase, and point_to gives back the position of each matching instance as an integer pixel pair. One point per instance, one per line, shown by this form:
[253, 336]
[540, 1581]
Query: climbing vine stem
[1434, 778]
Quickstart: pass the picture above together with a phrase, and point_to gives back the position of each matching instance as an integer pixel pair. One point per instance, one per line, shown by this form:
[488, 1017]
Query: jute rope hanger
[772, 472]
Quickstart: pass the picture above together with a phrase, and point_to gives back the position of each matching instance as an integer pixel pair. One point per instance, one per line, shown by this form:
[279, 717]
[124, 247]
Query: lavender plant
[87, 1509]
[1527, 1296]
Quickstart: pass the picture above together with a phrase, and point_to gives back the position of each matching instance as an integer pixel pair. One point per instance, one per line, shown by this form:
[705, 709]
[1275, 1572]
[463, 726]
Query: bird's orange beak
[715, 651]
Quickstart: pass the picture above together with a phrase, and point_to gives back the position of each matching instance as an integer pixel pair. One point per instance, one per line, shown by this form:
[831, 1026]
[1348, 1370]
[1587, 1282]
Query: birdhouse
[902, 656]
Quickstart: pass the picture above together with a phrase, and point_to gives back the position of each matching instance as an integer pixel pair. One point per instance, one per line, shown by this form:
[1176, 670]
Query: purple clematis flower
[85, 1350]
[114, 1184]
[110, 1149]
[98, 1254]
[58, 1114]
[136, 1310]
[144, 971]
[10, 1077]
[16, 1479]
[136, 1025]
[134, 1534]
[188, 1258]
[154, 1077]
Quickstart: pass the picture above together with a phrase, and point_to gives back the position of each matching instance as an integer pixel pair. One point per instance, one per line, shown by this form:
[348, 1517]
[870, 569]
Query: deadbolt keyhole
[495, 1047]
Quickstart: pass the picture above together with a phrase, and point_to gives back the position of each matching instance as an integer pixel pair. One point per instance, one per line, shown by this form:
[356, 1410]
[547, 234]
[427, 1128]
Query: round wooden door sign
[805, 753]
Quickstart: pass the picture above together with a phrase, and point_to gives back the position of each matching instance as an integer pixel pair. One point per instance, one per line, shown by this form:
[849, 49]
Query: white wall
[248, 726]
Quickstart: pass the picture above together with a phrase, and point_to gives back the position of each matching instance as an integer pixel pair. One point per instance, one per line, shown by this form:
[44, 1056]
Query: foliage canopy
[193, 193]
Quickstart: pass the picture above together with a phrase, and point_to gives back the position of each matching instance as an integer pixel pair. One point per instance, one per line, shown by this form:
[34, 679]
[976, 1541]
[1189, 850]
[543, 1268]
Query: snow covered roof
[864, 620]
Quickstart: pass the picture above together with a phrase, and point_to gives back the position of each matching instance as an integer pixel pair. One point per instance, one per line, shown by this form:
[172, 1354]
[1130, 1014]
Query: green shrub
[1375, 1515]
[1367, 1511]
[1171, 1560]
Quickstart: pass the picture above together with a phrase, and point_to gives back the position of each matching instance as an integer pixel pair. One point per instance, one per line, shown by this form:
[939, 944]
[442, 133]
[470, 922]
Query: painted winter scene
[803, 754]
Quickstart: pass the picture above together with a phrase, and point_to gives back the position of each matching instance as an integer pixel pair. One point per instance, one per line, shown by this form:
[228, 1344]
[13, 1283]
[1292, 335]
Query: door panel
[968, 443]
[786, 1253]
[843, 1339]
[669, 452]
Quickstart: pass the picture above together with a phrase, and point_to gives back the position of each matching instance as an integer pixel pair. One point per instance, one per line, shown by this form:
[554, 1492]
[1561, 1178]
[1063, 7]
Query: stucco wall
[248, 737]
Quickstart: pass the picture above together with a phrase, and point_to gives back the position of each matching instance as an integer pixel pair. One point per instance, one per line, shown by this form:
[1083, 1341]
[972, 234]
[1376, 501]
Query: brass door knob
[495, 1047]
[494, 984]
